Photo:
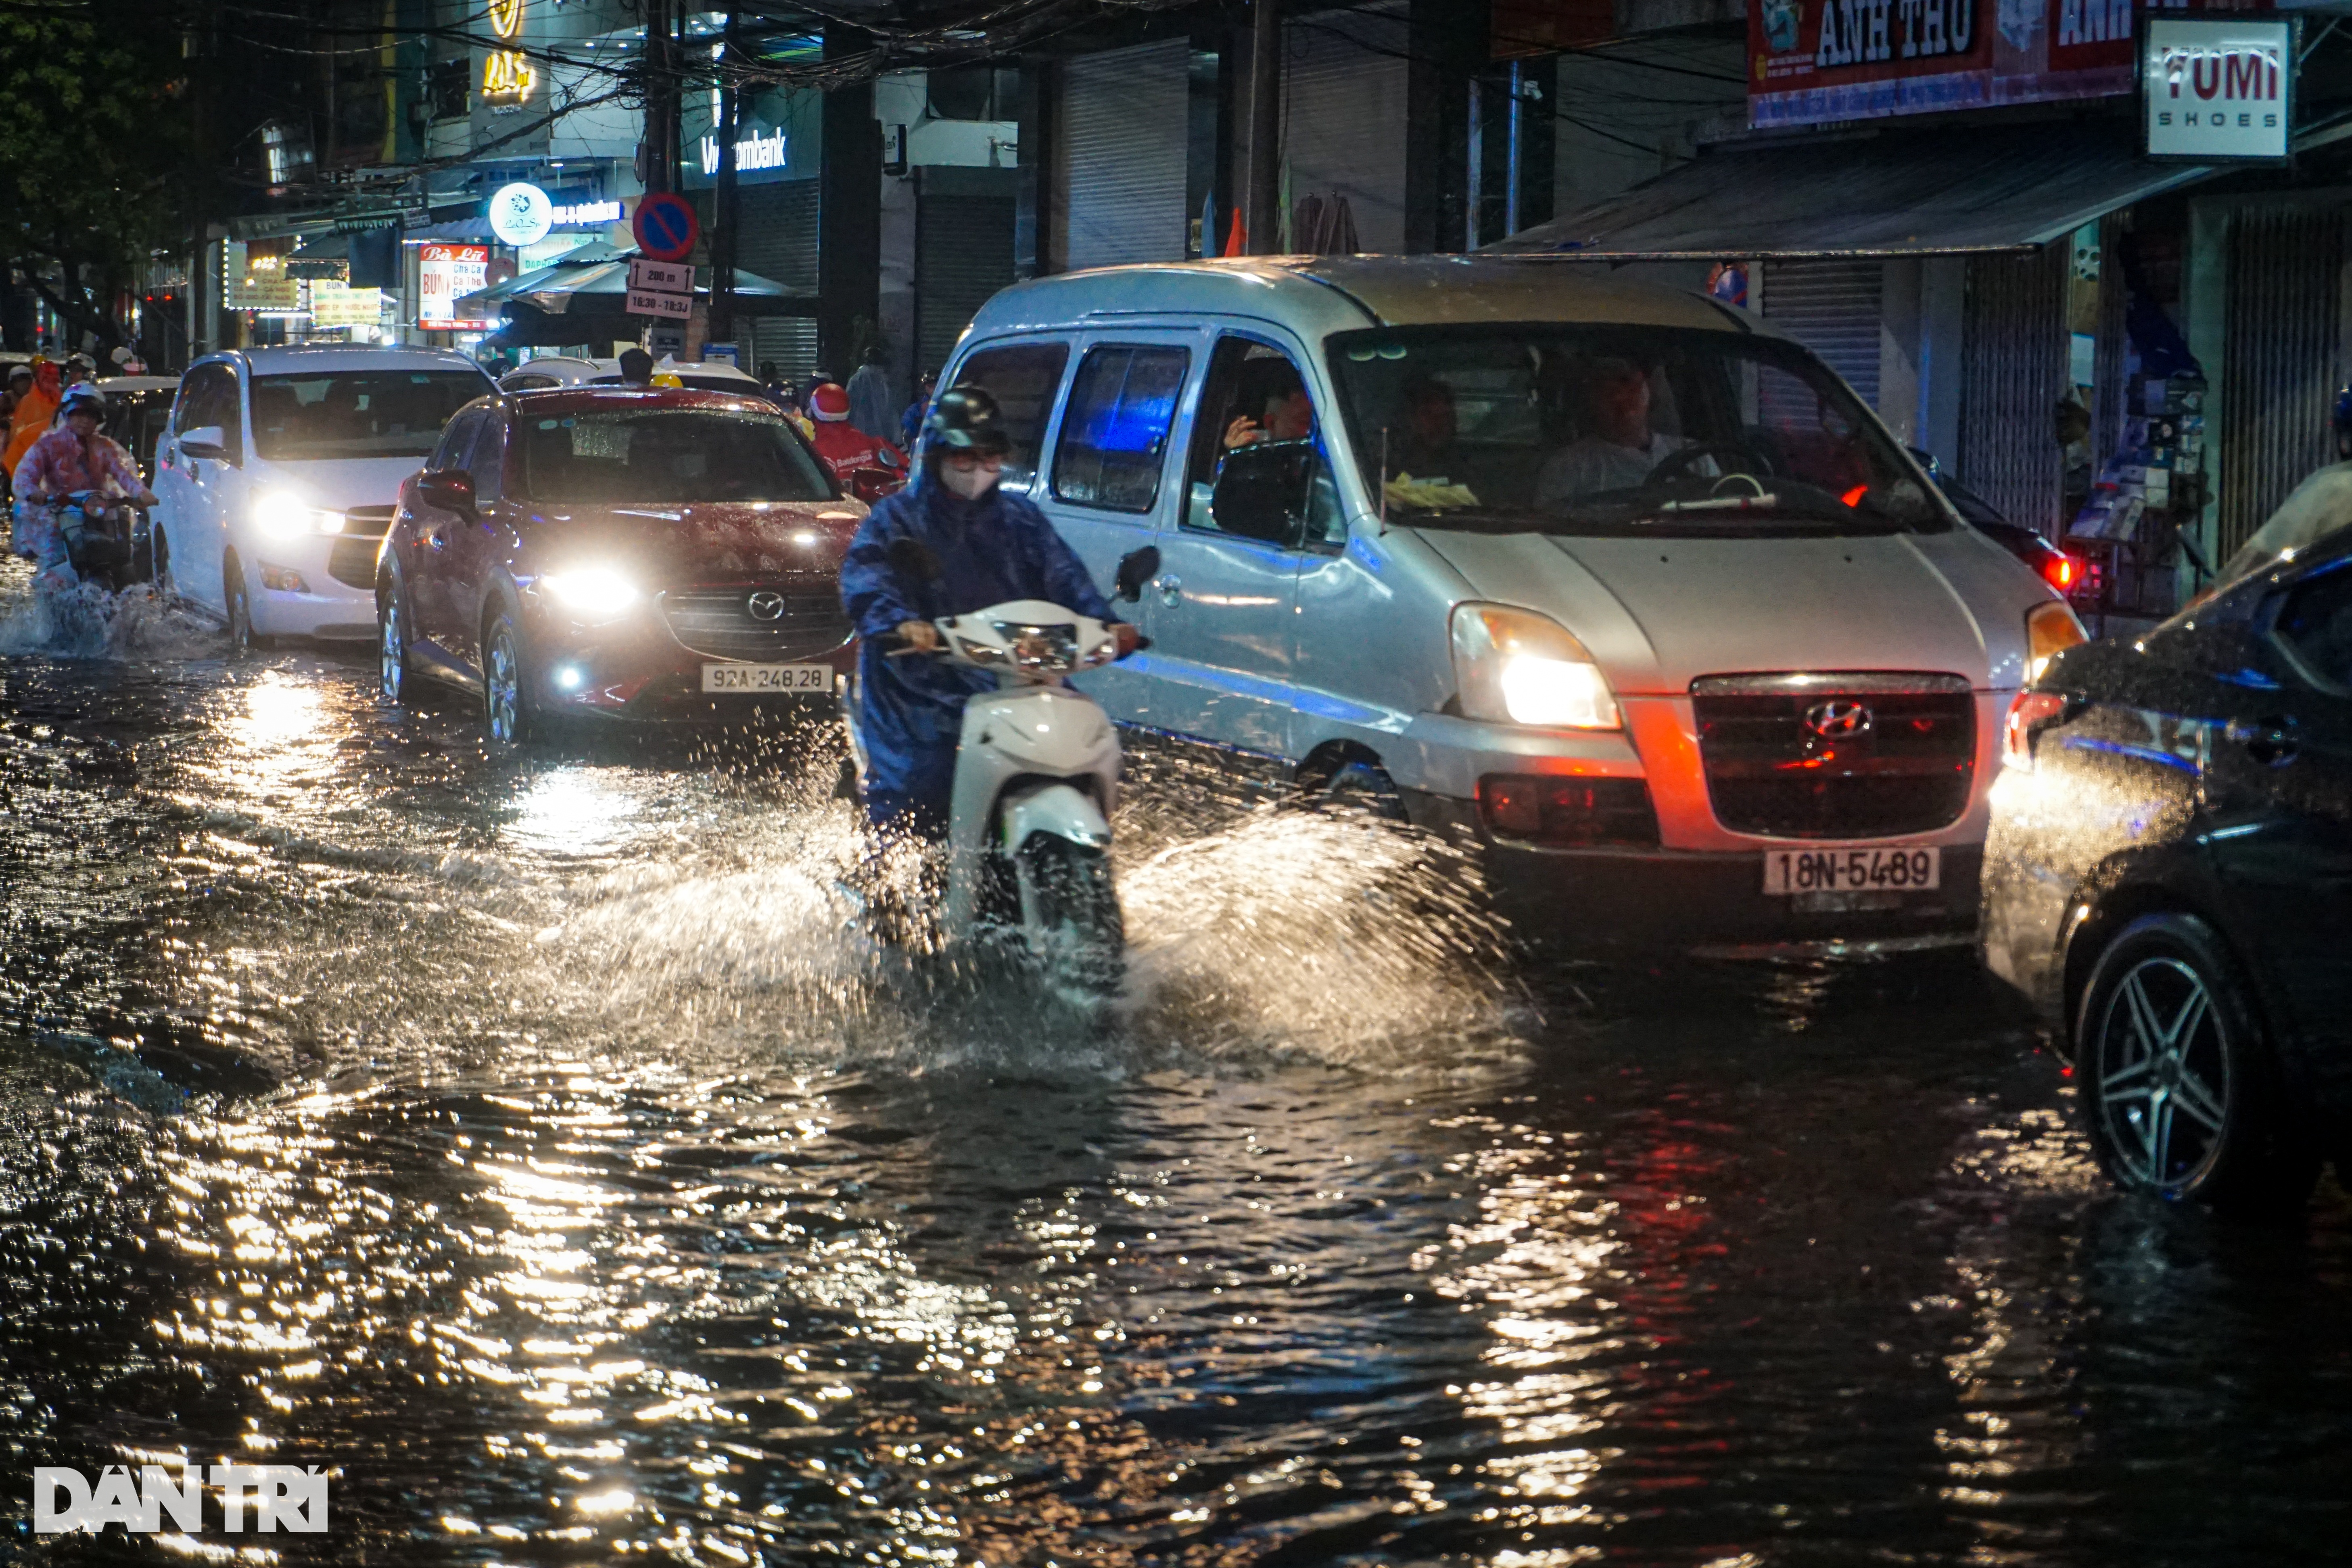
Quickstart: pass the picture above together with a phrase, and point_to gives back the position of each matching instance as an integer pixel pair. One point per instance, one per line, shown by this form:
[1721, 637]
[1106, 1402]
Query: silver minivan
[1617, 577]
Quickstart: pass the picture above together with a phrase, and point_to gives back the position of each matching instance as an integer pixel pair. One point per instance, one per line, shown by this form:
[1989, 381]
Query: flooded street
[540, 1145]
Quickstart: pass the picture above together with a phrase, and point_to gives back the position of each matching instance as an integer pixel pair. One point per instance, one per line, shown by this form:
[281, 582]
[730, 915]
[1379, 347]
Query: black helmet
[964, 419]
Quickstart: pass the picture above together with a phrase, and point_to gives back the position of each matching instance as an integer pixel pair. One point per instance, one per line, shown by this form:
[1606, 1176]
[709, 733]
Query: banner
[1813, 61]
[446, 274]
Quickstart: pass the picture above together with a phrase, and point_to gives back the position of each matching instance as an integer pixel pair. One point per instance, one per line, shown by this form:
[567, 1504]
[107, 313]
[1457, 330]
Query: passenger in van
[1617, 449]
[1282, 410]
[1425, 447]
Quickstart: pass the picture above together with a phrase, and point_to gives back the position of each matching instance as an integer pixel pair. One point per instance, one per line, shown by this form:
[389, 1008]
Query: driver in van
[1425, 447]
[1618, 449]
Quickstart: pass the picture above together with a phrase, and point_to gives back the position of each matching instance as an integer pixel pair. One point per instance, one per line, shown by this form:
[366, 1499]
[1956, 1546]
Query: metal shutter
[963, 254]
[1343, 118]
[1124, 137]
[775, 236]
[2014, 371]
[1830, 307]
[2279, 369]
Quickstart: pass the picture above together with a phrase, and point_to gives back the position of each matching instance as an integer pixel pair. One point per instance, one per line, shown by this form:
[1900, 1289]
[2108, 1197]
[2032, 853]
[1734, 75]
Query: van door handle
[1171, 588]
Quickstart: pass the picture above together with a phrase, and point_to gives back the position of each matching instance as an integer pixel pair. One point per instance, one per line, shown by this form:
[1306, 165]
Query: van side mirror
[1262, 490]
[1135, 568]
[205, 441]
[448, 489]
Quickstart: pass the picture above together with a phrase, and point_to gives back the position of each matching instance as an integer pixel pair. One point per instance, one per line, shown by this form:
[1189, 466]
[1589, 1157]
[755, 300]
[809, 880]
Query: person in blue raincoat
[990, 547]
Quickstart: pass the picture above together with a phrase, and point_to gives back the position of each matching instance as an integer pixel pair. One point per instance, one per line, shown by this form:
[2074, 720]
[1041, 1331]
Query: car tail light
[2029, 714]
[2063, 572]
[1567, 811]
[2050, 628]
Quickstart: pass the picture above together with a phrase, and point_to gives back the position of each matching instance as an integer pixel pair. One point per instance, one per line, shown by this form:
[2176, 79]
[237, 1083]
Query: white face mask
[970, 483]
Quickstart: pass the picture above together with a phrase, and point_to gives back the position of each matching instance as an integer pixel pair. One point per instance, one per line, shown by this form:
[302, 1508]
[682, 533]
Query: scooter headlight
[1520, 668]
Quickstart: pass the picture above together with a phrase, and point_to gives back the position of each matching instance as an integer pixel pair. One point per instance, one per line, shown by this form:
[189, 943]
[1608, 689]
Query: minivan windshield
[1551, 428]
[664, 455]
[358, 413]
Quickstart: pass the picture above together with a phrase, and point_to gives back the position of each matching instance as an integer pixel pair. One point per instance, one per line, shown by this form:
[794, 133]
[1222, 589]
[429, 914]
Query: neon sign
[506, 18]
[506, 77]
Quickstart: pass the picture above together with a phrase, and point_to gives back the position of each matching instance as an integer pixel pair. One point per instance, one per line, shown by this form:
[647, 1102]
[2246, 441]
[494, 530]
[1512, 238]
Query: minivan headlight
[2049, 630]
[1519, 668]
[278, 514]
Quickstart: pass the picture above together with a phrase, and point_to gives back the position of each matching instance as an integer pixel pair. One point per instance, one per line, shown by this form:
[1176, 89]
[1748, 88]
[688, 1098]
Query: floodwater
[538, 1145]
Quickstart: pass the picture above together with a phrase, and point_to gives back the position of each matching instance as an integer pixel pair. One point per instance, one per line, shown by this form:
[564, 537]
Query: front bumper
[637, 671]
[314, 585]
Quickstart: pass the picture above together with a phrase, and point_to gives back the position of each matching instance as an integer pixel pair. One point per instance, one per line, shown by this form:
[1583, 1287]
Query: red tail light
[2029, 714]
[2063, 572]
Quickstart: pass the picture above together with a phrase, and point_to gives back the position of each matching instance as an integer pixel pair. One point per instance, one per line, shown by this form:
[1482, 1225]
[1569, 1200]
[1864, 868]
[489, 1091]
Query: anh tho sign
[2215, 88]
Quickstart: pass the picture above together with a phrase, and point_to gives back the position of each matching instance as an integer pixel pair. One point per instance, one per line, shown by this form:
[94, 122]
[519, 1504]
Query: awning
[1909, 193]
[595, 279]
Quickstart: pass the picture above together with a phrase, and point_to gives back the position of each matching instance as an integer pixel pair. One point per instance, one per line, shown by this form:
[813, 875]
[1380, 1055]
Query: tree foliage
[94, 144]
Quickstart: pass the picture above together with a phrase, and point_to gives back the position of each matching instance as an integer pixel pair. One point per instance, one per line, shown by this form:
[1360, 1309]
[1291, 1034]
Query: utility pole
[661, 96]
[1266, 128]
[722, 227]
[197, 48]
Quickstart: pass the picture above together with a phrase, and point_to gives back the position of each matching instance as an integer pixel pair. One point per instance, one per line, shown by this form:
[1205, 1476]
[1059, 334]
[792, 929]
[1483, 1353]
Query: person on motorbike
[70, 458]
[990, 547]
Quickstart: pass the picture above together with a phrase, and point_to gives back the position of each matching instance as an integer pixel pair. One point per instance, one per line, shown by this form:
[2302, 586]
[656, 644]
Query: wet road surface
[535, 1144]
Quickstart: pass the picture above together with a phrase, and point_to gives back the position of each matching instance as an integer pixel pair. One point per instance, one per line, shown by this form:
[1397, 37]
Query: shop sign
[336, 304]
[754, 153]
[2213, 88]
[1813, 61]
[520, 214]
[446, 274]
[258, 283]
[583, 215]
[506, 77]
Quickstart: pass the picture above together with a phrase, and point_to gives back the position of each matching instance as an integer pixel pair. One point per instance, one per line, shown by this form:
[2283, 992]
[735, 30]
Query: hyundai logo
[1838, 720]
[765, 606]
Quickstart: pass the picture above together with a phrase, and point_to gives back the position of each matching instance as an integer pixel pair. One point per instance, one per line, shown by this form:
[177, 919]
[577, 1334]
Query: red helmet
[829, 402]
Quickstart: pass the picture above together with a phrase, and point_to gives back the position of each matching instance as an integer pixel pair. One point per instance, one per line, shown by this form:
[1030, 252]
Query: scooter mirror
[1135, 568]
[915, 559]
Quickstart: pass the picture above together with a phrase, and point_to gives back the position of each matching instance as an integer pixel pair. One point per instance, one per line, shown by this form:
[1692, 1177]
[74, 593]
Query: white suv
[280, 472]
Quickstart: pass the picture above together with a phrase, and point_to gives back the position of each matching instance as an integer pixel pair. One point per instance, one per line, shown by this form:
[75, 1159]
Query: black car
[2067, 573]
[2168, 881]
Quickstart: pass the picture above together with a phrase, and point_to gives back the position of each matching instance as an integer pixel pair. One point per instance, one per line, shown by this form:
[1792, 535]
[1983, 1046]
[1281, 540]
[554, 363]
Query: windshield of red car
[664, 456]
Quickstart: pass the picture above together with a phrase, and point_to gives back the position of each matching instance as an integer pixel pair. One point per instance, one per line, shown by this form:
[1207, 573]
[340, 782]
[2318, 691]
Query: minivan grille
[718, 623]
[351, 561]
[1837, 755]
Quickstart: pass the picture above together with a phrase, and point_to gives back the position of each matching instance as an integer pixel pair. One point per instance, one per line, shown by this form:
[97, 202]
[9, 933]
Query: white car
[1619, 579]
[278, 475]
[565, 370]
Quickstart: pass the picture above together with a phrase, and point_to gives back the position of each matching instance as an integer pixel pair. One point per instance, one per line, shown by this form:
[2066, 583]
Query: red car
[621, 552]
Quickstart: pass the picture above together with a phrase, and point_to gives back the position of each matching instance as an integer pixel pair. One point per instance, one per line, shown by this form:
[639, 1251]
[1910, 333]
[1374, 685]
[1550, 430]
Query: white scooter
[1037, 779]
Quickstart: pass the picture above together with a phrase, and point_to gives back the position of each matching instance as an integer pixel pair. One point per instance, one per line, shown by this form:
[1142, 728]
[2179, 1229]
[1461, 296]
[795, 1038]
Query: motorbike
[1036, 778]
[107, 538]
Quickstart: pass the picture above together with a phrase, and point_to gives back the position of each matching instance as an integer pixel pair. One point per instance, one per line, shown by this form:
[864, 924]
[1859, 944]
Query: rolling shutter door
[1344, 115]
[963, 254]
[2278, 373]
[775, 236]
[2014, 371]
[1122, 149]
[1830, 307]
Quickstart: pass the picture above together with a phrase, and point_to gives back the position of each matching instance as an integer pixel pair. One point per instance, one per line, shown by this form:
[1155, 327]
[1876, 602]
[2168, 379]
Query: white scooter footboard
[1057, 808]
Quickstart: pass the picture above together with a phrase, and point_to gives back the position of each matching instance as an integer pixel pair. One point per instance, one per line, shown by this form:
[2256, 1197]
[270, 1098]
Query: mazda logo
[1838, 720]
[765, 606]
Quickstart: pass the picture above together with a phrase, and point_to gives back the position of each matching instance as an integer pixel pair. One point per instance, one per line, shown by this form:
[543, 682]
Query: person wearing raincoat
[34, 411]
[990, 547]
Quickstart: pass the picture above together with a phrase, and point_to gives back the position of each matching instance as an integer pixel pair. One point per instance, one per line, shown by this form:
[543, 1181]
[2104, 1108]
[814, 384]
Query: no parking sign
[665, 227]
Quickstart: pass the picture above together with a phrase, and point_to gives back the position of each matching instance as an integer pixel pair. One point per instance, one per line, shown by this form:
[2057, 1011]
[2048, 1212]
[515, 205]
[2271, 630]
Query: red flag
[1237, 240]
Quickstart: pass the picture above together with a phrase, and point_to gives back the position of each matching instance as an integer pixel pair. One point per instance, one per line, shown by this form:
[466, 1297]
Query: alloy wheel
[2163, 1074]
[502, 689]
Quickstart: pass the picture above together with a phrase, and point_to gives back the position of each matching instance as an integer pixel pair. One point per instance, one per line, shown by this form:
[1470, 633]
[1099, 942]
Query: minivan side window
[1254, 394]
[211, 399]
[1115, 434]
[1023, 378]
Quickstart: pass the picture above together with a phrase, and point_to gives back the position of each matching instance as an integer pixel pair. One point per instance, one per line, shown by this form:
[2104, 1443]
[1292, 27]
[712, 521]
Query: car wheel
[159, 549]
[391, 643]
[2179, 1089]
[507, 707]
[1366, 787]
[238, 603]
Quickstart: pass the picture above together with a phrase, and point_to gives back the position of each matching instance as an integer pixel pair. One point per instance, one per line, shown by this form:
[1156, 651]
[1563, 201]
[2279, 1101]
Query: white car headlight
[279, 515]
[590, 593]
[1519, 668]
